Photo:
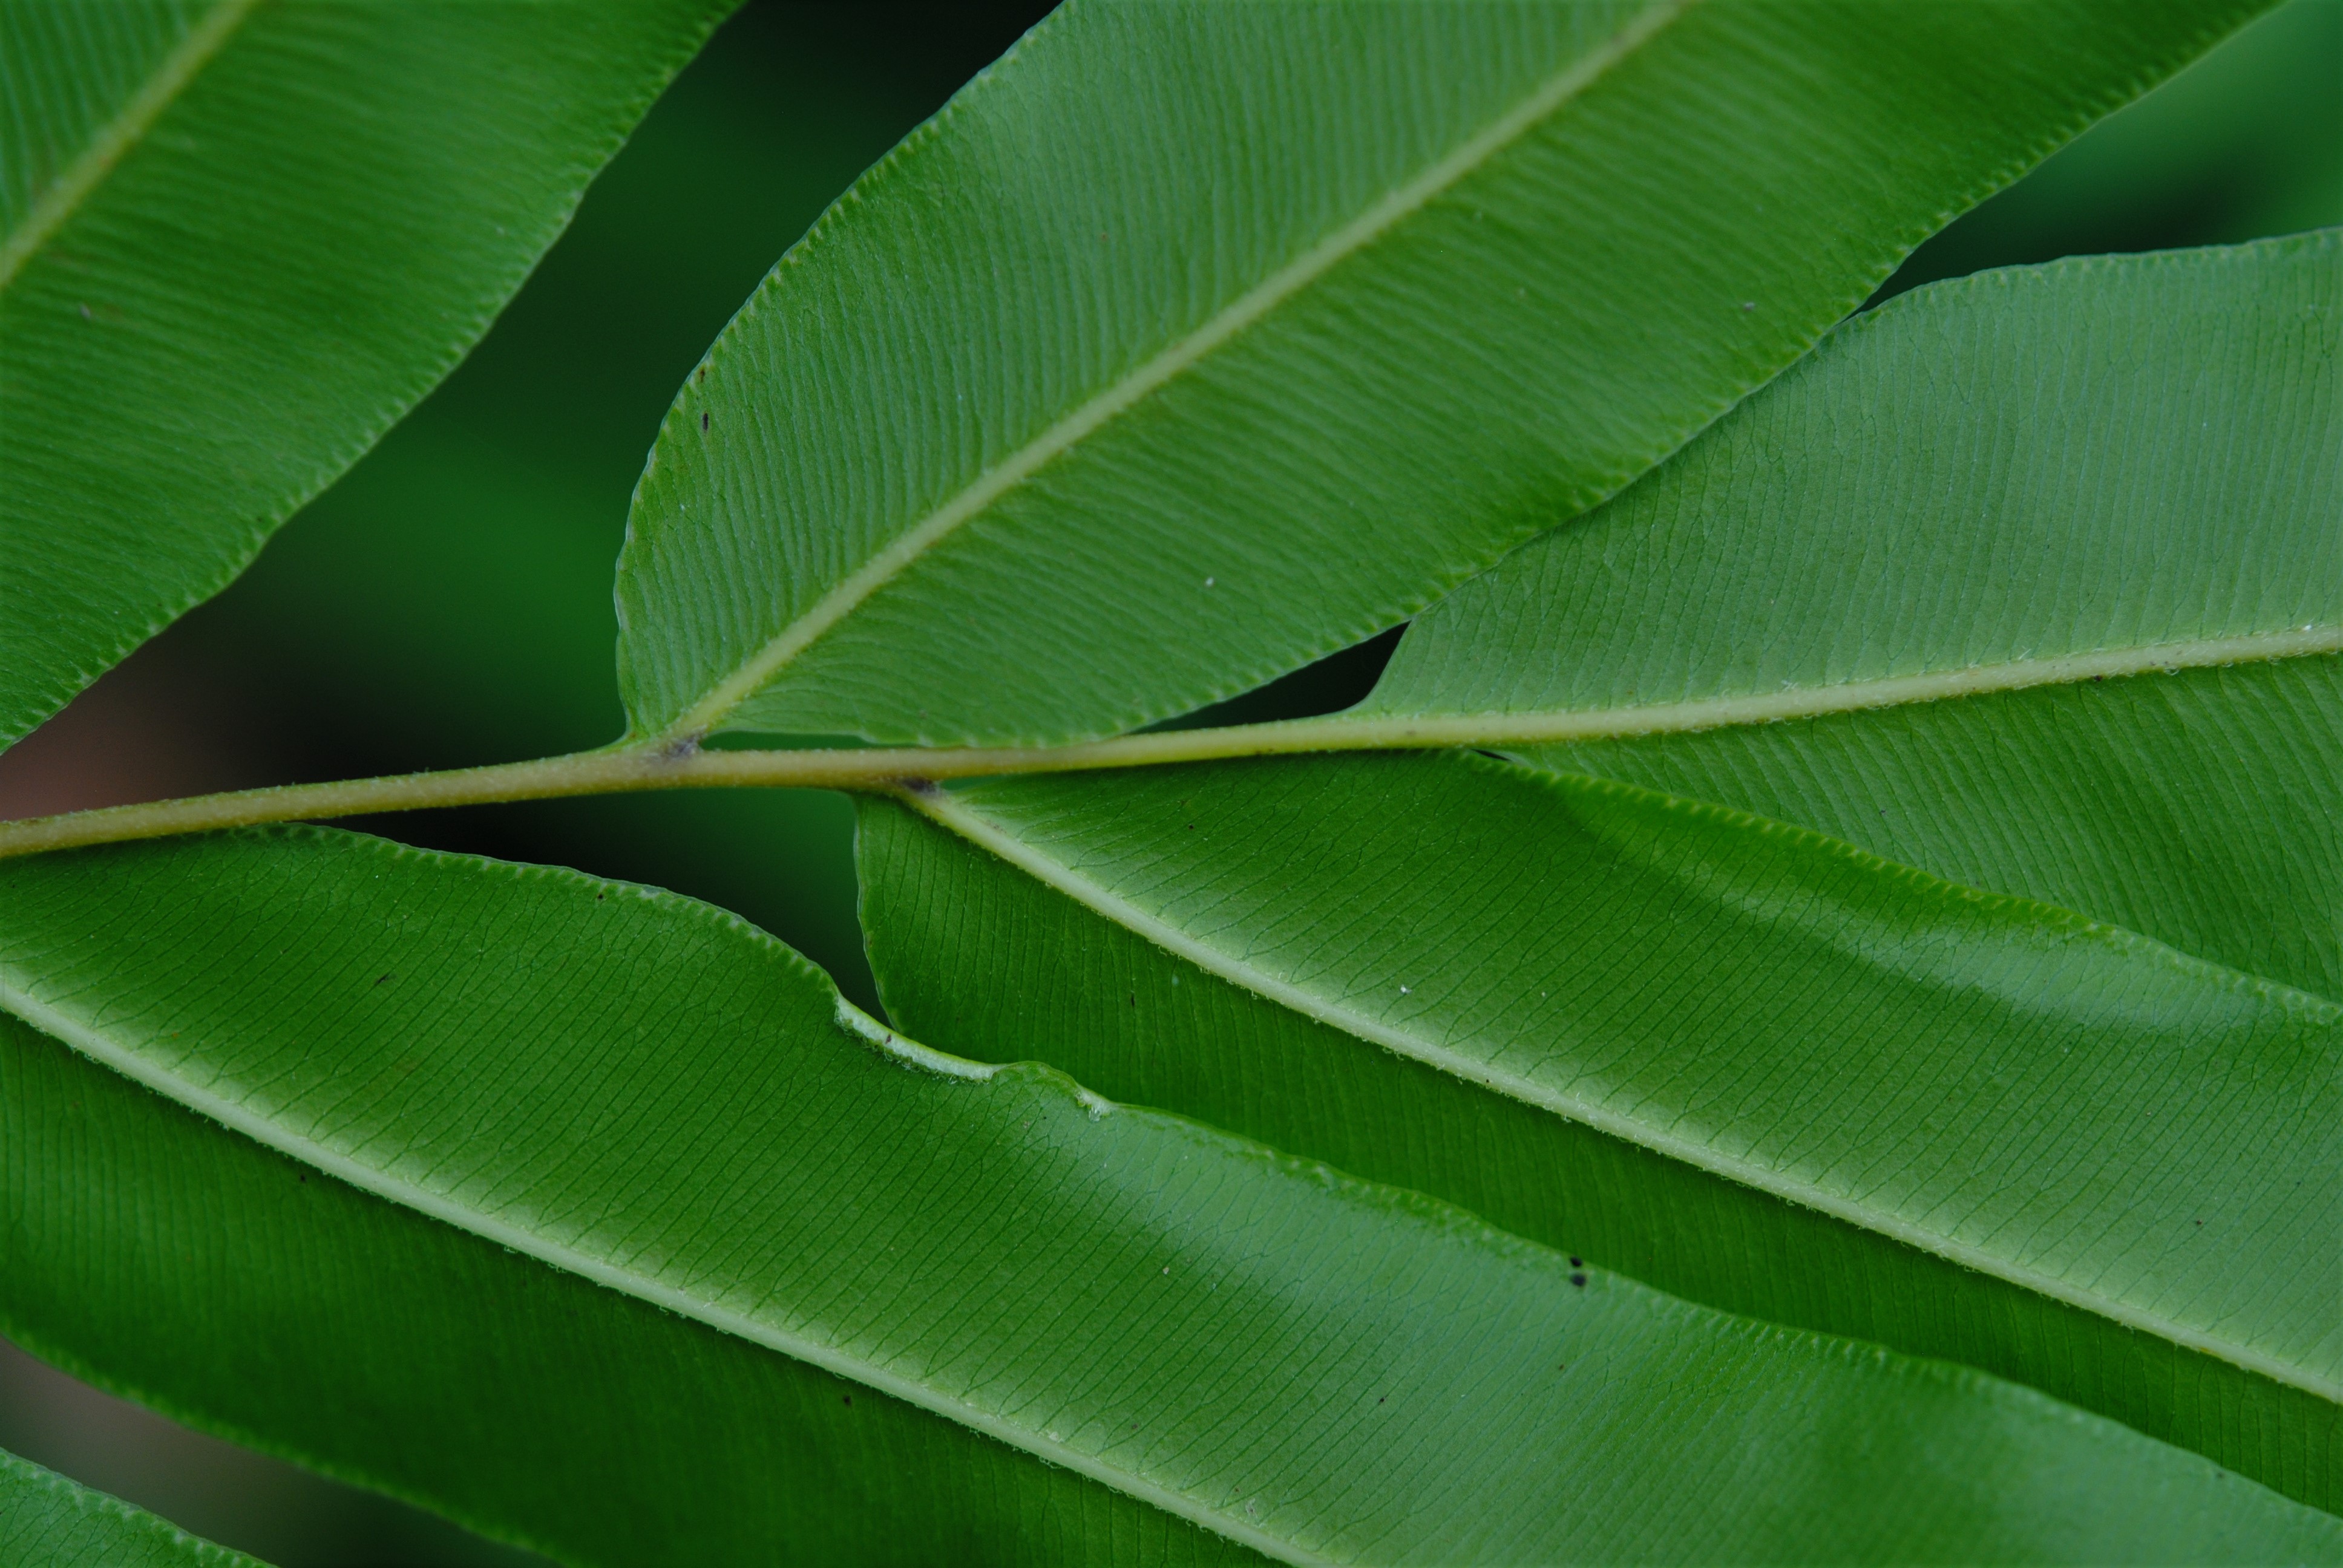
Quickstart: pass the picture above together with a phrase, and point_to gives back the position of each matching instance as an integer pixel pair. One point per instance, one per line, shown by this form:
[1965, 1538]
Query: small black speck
[703, 421]
[2098, 677]
[599, 897]
[846, 1399]
[380, 980]
[1578, 1262]
[1578, 1278]
[305, 1179]
[1379, 1400]
[2200, 1222]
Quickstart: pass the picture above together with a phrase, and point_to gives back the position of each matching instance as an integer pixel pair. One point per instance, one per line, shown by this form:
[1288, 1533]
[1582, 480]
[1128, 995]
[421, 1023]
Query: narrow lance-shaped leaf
[2037, 484]
[1689, 1042]
[648, 1094]
[242, 1292]
[1193, 340]
[1729, 1057]
[237, 241]
[49, 1522]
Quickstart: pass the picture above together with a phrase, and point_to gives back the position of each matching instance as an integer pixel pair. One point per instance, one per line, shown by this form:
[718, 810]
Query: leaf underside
[2113, 456]
[48, 1519]
[647, 1093]
[1736, 1058]
[236, 242]
[591, 1217]
[1166, 418]
[367, 1340]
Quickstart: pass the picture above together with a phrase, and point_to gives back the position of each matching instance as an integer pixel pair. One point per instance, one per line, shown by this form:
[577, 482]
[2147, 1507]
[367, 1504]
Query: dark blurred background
[448, 602]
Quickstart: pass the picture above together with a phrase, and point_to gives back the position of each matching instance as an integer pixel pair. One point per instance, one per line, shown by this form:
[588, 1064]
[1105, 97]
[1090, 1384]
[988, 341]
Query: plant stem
[651, 766]
[622, 769]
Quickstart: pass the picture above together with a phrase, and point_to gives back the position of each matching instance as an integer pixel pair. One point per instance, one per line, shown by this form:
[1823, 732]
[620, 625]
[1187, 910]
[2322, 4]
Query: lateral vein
[1112, 400]
[119, 135]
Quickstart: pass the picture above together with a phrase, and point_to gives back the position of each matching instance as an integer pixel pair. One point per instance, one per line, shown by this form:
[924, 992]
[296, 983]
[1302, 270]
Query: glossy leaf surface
[240, 1291]
[48, 1522]
[1739, 1060]
[2053, 475]
[237, 241]
[1773, 1046]
[1192, 341]
[646, 1092]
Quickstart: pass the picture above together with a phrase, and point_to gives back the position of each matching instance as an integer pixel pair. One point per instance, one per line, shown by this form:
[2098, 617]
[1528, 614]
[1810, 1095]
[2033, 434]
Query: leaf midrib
[114, 139]
[1102, 407]
[240, 1118]
[1534, 726]
[955, 814]
[900, 768]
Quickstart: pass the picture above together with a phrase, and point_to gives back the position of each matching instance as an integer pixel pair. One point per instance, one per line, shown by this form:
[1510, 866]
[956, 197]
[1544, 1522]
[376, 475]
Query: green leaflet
[427, 1362]
[48, 1522]
[237, 241]
[1792, 1081]
[1818, 1072]
[2198, 806]
[2038, 473]
[646, 1092]
[1079, 382]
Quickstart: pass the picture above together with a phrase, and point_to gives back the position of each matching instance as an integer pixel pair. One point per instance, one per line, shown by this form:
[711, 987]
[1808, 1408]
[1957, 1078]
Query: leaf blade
[1708, 923]
[2188, 807]
[49, 1522]
[794, 1157]
[973, 949]
[1258, 471]
[34, 210]
[2075, 470]
[523, 1403]
[360, 189]
[2066, 473]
